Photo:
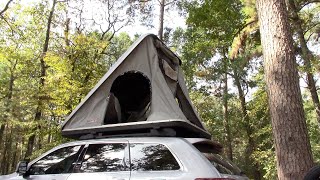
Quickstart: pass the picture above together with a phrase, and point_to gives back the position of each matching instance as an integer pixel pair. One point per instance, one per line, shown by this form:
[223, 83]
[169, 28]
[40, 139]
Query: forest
[251, 67]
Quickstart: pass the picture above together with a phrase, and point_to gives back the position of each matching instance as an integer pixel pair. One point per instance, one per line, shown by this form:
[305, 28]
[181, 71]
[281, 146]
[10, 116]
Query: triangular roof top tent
[143, 92]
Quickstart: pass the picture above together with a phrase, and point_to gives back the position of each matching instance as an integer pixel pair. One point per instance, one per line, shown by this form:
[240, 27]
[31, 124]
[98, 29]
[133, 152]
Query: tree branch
[244, 26]
[170, 2]
[5, 8]
[307, 3]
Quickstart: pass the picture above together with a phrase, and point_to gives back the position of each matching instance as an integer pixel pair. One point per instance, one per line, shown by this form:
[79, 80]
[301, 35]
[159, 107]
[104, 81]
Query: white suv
[132, 158]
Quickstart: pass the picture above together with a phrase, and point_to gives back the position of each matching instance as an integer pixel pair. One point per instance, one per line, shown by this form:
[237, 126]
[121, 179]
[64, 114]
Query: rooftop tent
[143, 93]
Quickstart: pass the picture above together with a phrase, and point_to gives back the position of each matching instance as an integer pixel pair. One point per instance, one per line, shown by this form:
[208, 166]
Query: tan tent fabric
[169, 98]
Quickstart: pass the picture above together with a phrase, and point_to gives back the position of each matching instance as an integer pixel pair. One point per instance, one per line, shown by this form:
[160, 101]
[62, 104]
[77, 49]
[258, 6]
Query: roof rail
[159, 132]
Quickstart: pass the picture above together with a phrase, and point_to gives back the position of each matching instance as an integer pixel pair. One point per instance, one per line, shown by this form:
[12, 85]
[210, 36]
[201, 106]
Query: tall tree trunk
[4, 125]
[15, 156]
[306, 56]
[2, 129]
[40, 141]
[226, 117]
[254, 166]
[43, 68]
[69, 56]
[5, 161]
[3, 140]
[8, 102]
[161, 18]
[293, 150]
[8, 159]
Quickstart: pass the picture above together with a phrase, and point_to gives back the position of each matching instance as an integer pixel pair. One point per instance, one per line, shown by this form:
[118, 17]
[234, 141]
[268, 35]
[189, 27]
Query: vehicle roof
[195, 141]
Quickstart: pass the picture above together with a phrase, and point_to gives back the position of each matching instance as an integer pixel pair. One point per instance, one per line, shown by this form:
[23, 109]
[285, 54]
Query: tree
[147, 10]
[293, 151]
[219, 23]
[43, 73]
[42, 82]
[306, 54]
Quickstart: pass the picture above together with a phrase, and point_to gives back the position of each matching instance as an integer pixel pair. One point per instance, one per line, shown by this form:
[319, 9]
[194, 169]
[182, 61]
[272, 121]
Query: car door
[56, 165]
[103, 161]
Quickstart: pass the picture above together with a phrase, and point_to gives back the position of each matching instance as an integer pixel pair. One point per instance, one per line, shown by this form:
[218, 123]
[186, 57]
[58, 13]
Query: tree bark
[43, 68]
[226, 117]
[293, 150]
[8, 108]
[250, 148]
[15, 156]
[8, 103]
[2, 130]
[9, 154]
[161, 18]
[306, 56]
[6, 152]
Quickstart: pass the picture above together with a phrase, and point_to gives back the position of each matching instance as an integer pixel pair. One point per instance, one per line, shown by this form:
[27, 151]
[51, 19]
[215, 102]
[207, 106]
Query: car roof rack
[160, 132]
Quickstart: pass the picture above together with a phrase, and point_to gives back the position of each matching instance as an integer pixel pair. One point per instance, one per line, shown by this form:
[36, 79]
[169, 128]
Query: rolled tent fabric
[143, 57]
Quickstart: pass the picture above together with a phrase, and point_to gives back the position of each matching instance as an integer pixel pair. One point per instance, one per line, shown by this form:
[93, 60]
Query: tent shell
[181, 127]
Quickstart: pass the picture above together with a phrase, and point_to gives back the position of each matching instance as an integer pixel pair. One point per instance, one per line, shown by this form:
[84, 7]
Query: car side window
[57, 162]
[152, 157]
[104, 158]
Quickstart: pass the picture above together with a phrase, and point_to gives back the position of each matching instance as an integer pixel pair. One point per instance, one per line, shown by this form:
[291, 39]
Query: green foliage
[313, 127]
[220, 20]
[74, 62]
[259, 113]
[221, 40]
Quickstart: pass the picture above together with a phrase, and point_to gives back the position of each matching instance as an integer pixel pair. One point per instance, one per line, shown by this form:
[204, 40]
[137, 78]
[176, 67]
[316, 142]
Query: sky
[172, 19]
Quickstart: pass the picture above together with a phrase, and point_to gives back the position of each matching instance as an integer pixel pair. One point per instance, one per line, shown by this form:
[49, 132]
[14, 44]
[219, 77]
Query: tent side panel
[92, 111]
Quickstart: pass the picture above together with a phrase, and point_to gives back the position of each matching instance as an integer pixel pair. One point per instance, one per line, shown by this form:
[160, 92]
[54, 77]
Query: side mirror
[22, 168]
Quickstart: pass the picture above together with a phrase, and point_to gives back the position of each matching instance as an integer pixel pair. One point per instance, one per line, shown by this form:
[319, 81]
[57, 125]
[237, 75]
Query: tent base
[162, 128]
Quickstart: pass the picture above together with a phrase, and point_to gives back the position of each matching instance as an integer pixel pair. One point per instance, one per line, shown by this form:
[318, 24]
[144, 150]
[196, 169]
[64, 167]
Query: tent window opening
[129, 99]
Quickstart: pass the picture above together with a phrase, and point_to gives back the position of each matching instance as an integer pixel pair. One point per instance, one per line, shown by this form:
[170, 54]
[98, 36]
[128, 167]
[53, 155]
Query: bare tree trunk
[49, 138]
[254, 166]
[40, 141]
[226, 118]
[4, 124]
[43, 68]
[161, 18]
[7, 159]
[8, 102]
[69, 56]
[2, 129]
[226, 122]
[306, 56]
[15, 156]
[3, 139]
[293, 150]
[6, 152]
